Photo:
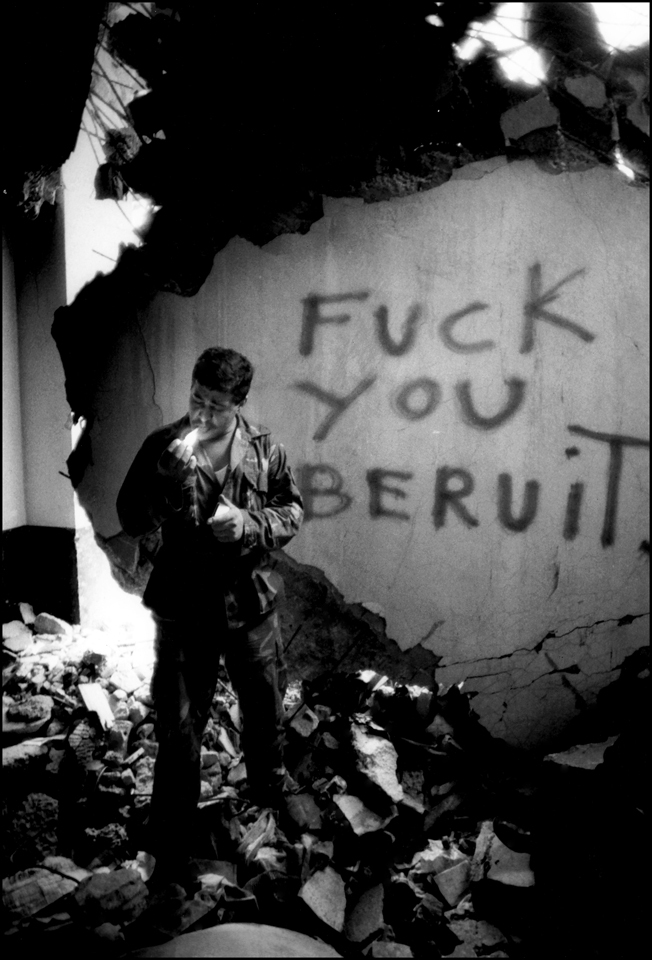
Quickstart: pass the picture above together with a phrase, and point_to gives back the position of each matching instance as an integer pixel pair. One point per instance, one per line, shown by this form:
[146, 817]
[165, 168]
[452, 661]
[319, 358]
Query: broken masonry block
[209, 758]
[361, 819]
[66, 867]
[454, 882]
[437, 857]
[27, 613]
[205, 790]
[324, 892]
[144, 772]
[242, 940]
[388, 948]
[481, 856]
[48, 624]
[586, 756]
[305, 721]
[128, 779]
[138, 712]
[118, 735]
[509, 867]
[95, 701]
[125, 679]
[16, 636]
[144, 695]
[27, 892]
[31, 710]
[119, 896]
[365, 916]
[481, 936]
[237, 773]
[322, 711]
[305, 812]
[377, 759]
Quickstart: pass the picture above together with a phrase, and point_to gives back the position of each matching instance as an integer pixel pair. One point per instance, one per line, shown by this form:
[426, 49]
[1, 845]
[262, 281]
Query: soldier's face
[212, 412]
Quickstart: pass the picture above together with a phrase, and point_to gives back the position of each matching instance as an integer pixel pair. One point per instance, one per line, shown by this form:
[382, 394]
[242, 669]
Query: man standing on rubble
[223, 495]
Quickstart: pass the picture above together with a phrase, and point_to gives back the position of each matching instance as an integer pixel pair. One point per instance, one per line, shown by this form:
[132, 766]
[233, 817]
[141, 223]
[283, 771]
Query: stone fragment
[110, 932]
[454, 882]
[589, 90]
[95, 701]
[22, 754]
[482, 853]
[116, 897]
[325, 894]
[242, 940]
[125, 679]
[144, 695]
[305, 721]
[237, 774]
[16, 636]
[377, 759]
[118, 736]
[478, 934]
[66, 867]
[509, 867]
[225, 741]
[362, 819]
[205, 790]
[387, 948]
[31, 710]
[366, 915]
[118, 696]
[27, 613]
[532, 114]
[144, 771]
[303, 809]
[138, 712]
[27, 892]
[437, 857]
[128, 779]
[33, 829]
[586, 756]
[209, 758]
[48, 624]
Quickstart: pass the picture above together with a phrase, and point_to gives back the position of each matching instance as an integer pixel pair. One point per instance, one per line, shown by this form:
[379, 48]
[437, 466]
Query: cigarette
[191, 438]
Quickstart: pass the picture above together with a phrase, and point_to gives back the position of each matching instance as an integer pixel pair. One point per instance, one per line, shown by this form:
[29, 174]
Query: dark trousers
[183, 685]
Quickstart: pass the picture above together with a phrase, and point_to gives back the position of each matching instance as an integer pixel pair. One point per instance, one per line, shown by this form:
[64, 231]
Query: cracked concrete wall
[461, 380]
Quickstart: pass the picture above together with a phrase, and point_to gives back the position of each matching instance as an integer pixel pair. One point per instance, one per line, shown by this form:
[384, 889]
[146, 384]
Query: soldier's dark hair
[227, 371]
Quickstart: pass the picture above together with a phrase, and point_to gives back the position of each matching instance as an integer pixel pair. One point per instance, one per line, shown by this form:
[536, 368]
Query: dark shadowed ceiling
[267, 106]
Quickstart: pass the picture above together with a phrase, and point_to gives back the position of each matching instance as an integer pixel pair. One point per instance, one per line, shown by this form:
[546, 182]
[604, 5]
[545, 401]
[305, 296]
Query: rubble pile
[409, 831]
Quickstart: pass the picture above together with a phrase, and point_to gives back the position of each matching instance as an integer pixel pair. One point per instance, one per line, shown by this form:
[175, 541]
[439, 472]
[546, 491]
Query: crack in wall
[538, 647]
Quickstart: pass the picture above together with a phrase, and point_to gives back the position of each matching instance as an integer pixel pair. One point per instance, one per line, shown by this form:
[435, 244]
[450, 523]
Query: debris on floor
[412, 831]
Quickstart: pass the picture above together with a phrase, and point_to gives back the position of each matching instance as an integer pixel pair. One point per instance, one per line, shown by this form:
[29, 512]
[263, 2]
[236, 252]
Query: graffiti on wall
[323, 486]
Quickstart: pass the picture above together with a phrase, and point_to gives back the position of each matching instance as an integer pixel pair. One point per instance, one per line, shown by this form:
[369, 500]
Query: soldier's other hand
[177, 461]
[229, 525]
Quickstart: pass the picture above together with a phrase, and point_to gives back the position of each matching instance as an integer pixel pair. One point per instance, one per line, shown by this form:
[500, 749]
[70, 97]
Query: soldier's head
[220, 383]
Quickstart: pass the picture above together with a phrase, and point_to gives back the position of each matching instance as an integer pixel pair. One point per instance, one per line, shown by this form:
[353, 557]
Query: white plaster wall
[473, 594]
[45, 411]
[13, 479]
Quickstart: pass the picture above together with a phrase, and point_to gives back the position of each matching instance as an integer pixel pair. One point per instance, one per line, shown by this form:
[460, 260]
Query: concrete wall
[38, 251]
[13, 478]
[461, 380]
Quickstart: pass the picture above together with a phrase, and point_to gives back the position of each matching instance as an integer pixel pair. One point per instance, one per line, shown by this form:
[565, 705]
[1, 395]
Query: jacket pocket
[269, 588]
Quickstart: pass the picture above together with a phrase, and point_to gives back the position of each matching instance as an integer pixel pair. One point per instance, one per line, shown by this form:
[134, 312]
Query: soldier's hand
[229, 524]
[177, 461]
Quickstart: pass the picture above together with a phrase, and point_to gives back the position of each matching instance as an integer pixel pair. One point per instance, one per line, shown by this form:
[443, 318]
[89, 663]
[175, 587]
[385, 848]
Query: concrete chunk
[241, 940]
[362, 819]
[47, 623]
[366, 915]
[454, 882]
[377, 759]
[509, 867]
[325, 895]
[533, 114]
[29, 891]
